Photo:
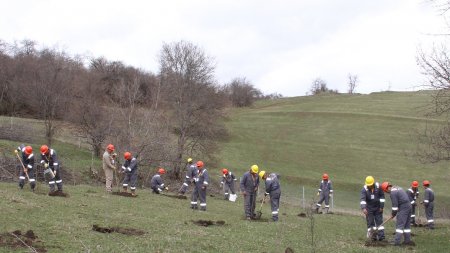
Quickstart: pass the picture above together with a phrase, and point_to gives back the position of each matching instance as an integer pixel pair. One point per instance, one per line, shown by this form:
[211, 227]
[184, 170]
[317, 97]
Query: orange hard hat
[44, 149]
[325, 176]
[110, 147]
[224, 171]
[161, 171]
[415, 184]
[200, 164]
[28, 150]
[127, 155]
[385, 186]
[426, 183]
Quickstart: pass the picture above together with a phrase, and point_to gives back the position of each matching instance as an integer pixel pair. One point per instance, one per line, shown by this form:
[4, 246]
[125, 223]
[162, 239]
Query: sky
[280, 46]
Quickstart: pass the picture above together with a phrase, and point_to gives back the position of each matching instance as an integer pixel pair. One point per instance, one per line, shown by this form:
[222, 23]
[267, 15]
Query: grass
[349, 137]
[65, 225]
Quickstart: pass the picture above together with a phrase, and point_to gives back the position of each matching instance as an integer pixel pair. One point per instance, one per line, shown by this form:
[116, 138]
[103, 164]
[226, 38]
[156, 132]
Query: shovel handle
[390, 218]
[23, 166]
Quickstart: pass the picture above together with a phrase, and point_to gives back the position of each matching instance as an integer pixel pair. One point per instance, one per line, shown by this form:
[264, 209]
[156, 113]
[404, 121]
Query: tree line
[161, 117]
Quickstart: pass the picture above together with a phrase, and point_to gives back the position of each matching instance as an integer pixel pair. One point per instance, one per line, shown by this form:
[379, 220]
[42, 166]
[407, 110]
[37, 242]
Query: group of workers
[372, 197]
[404, 203]
[48, 159]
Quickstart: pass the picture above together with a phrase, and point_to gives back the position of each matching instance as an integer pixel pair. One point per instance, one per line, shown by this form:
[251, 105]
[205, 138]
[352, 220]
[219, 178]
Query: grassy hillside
[349, 137]
[65, 225]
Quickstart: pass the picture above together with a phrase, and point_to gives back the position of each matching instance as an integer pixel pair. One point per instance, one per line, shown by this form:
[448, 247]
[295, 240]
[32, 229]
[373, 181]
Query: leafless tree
[318, 86]
[187, 78]
[241, 92]
[352, 83]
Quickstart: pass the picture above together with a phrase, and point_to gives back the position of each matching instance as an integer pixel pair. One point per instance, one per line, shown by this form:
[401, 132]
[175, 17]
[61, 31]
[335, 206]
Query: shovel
[373, 231]
[259, 213]
[23, 167]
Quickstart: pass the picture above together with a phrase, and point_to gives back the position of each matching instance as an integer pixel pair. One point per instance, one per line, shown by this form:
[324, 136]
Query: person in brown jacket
[108, 166]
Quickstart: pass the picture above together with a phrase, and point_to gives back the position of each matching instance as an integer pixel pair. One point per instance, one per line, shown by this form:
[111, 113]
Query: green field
[65, 225]
[349, 137]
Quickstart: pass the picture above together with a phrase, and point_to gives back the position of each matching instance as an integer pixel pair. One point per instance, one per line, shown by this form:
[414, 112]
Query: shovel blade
[258, 215]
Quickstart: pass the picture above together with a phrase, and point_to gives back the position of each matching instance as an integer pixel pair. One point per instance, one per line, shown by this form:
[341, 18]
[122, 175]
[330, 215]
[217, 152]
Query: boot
[398, 237]
[407, 238]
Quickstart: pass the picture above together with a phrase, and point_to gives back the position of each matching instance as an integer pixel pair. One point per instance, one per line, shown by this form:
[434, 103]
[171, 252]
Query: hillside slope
[347, 136]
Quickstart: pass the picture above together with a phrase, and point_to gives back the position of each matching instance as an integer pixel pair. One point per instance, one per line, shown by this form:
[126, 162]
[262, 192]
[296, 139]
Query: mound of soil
[257, 220]
[206, 223]
[124, 194]
[174, 196]
[125, 231]
[303, 215]
[288, 250]
[58, 194]
[370, 243]
[16, 240]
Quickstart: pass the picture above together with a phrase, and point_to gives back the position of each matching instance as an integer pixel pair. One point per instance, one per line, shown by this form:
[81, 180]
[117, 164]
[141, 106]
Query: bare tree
[53, 78]
[352, 83]
[318, 86]
[187, 77]
[241, 92]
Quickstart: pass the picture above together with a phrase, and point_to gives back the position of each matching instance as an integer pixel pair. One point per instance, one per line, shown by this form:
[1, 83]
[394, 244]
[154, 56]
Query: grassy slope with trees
[347, 136]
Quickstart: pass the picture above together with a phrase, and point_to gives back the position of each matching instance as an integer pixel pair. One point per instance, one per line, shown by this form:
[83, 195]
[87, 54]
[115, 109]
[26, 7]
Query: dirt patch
[58, 194]
[207, 223]
[124, 194]
[303, 215]
[288, 250]
[220, 222]
[16, 240]
[174, 196]
[125, 231]
[376, 243]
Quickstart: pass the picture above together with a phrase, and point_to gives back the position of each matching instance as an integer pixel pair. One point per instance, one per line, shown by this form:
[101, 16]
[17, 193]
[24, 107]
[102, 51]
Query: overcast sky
[279, 45]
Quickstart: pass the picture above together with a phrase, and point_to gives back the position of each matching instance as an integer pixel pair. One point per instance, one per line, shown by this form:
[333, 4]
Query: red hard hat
[415, 184]
[200, 164]
[28, 150]
[385, 185]
[161, 171]
[224, 171]
[426, 183]
[127, 155]
[325, 176]
[44, 149]
[110, 147]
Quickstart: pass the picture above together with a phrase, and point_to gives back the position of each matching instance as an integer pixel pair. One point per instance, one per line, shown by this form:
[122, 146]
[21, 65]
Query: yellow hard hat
[261, 174]
[254, 168]
[189, 160]
[370, 180]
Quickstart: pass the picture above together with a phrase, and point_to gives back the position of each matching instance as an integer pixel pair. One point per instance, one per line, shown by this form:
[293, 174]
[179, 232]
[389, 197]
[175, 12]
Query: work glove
[394, 213]
[365, 211]
[331, 195]
[221, 182]
[25, 170]
[244, 193]
[265, 194]
[203, 187]
[381, 210]
[15, 151]
[318, 193]
[166, 188]
[46, 165]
